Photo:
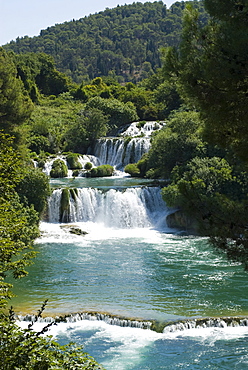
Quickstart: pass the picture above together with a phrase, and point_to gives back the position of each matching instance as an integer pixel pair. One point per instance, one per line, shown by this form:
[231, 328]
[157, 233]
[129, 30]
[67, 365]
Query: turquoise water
[136, 273]
[147, 273]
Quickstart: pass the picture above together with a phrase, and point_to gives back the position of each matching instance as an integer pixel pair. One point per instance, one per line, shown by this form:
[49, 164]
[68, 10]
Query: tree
[216, 198]
[18, 223]
[118, 113]
[24, 348]
[90, 126]
[48, 79]
[34, 188]
[175, 145]
[59, 169]
[95, 123]
[15, 105]
[124, 41]
[211, 67]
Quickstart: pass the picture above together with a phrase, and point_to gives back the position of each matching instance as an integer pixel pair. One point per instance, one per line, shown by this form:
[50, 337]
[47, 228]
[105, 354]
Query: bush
[118, 113]
[65, 206]
[88, 166]
[132, 169]
[59, 169]
[142, 165]
[102, 171]
[39, 144]
[28, 350]
[73, 162]
[34, 188]
[75, 173]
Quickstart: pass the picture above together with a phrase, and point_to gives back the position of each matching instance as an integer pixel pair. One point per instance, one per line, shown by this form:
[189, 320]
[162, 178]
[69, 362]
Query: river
[128, 268]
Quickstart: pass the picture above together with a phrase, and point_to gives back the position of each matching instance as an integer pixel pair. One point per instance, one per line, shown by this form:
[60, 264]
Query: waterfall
[128, 147]
[142, 128]
[88, 158]
[221, 322]
[120, 152]
[91, 316]
[131, 208]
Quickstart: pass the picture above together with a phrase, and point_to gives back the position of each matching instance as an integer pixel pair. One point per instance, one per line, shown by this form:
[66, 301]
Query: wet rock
[74, 229]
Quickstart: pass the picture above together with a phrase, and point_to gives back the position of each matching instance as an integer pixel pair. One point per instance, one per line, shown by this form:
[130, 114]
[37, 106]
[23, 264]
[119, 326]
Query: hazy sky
[28, 17]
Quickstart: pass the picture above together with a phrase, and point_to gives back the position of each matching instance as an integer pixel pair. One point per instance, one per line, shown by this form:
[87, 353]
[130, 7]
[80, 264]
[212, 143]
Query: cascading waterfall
[142, 128]
[129, 148]
[218, 322]
[120, 152]
[88, 158]
[91, 316]
[131, 208]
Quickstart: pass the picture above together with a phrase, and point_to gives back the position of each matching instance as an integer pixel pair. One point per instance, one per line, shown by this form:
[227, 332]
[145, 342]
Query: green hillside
[124, 41]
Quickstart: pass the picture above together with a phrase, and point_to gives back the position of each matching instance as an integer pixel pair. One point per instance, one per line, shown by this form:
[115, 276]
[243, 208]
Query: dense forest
[198, 86]
[124, 42]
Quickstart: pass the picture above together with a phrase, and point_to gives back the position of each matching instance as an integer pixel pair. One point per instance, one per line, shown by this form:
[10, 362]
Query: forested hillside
[124, 41]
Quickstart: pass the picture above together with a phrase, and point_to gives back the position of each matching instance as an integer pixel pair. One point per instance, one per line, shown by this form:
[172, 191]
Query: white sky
[29, 17]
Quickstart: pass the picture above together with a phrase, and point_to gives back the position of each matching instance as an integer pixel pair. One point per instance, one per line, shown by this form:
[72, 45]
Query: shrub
[102, 171]
[59, 169]
[73, 162]
[26, 349]
[132, 169]
[75, 173]
[34, 188]
[88, 166]
[65, 206]
[142, 165]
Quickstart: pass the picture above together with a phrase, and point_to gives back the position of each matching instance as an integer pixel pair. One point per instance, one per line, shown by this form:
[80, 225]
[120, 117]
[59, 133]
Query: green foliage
[64, 210]
[203, 177]
[34, 188]
[88, 166]
[210, 71]
[132, 169]
[59, 169]
[118, 113]
[122, 42]
[39, 144]
[18, 223]
[15, 105]
[212, 68]
[91, 125]
[141, 99]
[29, 350]
[75, 173]
[39, 75]
[176, 144]
[102, 171]
[73, 162]
[167, 97]
[142, 165]
[49, 122]
[210, 193]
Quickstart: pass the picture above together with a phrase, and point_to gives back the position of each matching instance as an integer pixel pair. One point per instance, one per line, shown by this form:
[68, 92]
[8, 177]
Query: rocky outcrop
[72, 229]
[179, 220]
